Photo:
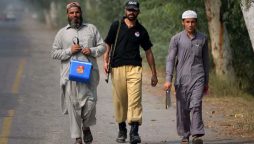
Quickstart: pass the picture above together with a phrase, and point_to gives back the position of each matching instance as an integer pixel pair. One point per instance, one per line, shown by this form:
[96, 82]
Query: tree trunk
[51, 15]
[88, 5]
[220, 43]
[247, 7]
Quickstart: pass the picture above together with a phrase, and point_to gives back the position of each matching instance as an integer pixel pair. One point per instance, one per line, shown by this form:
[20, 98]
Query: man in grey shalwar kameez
[189, 53]
[78, 99]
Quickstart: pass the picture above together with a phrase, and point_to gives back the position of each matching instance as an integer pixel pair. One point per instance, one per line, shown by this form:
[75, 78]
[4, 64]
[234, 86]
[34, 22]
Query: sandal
[78, 141]
[185, 141]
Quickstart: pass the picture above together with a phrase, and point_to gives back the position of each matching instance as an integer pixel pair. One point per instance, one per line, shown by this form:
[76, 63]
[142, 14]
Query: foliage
[106, 12]
[162, 19]
[242, 53]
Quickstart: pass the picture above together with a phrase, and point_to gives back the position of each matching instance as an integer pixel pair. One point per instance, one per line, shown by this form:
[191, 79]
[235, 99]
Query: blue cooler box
[80, 71]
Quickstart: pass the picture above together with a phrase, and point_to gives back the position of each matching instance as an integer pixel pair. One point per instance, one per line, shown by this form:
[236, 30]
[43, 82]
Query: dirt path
[227, 120]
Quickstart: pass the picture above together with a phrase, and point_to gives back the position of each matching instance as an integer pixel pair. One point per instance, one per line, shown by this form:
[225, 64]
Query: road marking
[6, 127]
[7, 121]
[16, 84]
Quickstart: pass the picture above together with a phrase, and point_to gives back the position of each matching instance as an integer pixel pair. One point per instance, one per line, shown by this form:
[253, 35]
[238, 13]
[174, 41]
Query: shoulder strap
[117, 33]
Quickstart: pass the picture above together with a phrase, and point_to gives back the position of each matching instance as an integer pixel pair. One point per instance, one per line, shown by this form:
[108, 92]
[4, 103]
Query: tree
[51, 15]
[247, 7]
[220, 42]
[162, 19]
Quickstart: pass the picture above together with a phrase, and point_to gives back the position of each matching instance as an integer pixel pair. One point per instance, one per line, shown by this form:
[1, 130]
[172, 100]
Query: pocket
[137, 71]
[87, 41]
[197, 50]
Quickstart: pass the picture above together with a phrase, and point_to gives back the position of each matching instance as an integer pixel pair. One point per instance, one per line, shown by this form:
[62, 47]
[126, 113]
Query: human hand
[167, 86]
[75, 48]
[86, 51]
[154, 80]
[105, 67]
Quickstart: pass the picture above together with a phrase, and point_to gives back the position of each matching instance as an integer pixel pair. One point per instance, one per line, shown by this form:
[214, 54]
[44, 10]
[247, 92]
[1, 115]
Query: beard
[131, 17]
[75, 22]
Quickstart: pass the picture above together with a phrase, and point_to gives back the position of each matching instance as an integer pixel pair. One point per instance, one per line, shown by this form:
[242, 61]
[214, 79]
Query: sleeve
[146, 42]
[205, 54]
[57, 51]
[99, 47]
[170, 63]
[110, 39]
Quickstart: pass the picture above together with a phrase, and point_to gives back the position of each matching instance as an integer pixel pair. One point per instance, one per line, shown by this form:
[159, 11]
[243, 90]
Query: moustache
[75, 22]
[131, 15]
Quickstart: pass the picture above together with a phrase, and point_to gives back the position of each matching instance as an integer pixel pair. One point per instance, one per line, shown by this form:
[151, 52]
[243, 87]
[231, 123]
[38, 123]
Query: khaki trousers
[127, 93]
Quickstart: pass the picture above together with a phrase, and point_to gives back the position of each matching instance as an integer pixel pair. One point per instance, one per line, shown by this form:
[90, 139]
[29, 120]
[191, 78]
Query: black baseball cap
[132, 4]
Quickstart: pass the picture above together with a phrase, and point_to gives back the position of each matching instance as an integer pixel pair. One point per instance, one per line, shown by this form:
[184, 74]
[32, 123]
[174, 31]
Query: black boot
[87, 135]
[122, 134]
[134, 136]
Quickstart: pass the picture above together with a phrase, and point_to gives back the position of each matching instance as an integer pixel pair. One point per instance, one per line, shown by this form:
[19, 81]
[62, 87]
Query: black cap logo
[132, 4]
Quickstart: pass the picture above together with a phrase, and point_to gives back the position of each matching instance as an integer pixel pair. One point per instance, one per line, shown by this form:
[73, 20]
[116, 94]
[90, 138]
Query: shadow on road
[220, 141]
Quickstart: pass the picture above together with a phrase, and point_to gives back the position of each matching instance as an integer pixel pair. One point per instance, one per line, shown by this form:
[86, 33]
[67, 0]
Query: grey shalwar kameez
[190, 56]
[78, 99]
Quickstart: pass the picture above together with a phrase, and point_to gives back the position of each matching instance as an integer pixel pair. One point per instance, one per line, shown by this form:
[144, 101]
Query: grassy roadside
[226, 109]
[230, 116]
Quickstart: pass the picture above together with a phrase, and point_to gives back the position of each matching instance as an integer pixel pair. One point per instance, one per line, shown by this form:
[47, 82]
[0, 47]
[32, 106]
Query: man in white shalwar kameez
[78, 99]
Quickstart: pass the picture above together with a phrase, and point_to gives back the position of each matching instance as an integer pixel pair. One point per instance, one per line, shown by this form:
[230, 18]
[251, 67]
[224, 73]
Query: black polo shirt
[129, 40]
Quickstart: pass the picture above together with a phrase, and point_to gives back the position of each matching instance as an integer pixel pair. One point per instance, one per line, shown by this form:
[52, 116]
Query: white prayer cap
[189, 14]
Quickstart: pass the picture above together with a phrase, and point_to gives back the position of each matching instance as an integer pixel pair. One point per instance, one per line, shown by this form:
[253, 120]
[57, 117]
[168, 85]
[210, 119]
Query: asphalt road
[30, 96]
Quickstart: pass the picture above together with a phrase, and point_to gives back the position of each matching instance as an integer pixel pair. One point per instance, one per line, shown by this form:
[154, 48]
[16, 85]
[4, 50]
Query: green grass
[219, 87]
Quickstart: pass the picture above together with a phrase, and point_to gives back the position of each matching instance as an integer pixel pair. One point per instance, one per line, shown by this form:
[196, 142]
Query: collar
[136, 23]
[69, 26]
[194, 34]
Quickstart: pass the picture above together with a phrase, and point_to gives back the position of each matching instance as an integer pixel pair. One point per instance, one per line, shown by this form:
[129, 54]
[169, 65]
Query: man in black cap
[128, 35]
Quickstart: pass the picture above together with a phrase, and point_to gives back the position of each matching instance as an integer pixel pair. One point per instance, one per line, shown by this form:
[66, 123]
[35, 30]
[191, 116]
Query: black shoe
[134, 139]
[134, 136]
[122, 134]
[87, 135]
